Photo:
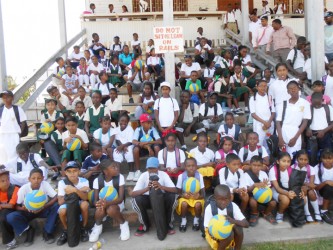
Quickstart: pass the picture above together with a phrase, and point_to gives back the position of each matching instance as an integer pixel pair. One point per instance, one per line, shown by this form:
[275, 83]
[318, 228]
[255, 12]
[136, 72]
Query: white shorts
[120, 157]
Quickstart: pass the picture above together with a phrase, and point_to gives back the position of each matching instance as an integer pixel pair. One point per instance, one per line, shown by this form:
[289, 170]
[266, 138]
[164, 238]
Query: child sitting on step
[115, 106]
[80, 113]
[226, 145]
[51, 113]
[103, 135]
[229, 128]
[194, 86]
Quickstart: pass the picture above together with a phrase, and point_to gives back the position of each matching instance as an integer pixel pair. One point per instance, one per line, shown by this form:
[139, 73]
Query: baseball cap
[4, 171]
[165, 84]
[72, 164]
[328, 14]
[212, 93]
[152, 162]
[6, 92]
[145, 118]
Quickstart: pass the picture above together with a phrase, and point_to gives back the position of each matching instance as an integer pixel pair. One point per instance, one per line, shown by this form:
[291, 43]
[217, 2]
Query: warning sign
[169, 39]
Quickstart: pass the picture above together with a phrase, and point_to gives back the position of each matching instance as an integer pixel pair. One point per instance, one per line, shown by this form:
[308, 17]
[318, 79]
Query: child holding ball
[188, 201]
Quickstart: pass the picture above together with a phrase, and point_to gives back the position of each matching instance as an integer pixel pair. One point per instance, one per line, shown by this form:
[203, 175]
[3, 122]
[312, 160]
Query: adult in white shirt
[261, 36]
[295, 60]
[185, 71]
[154, 189]
[230, 21]
[254, 25]
[292, 119]
[203, 52]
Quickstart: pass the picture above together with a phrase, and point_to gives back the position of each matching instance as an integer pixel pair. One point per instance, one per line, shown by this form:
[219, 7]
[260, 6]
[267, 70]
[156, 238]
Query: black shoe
[48, 238]
[62, 239]
[84, 235]
[55, 176]
[182, 228]
[327, 218]
[131, 100]
[195, 227]
[30, 237]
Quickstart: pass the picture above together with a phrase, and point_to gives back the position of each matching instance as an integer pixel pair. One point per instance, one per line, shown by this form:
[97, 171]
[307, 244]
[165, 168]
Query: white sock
[306, 208]
[315, 206]
[184, 221]
[184, 146]
[323, 211]
[196, 221]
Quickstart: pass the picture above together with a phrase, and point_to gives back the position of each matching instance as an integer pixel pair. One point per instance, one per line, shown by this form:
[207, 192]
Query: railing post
[62, 23]
[245, 19]
[3, 68]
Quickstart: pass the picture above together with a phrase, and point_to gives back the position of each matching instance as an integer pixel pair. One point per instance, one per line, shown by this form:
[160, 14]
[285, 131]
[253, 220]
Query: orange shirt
[4, 197]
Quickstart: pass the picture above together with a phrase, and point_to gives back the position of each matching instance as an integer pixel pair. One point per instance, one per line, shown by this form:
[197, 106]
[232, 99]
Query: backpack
[107, 85]
[327, 112]
[25, 129]
[295, 57]
[221, 152]
[278, 175]
[308, 169]
[283, 112]
[151, 134]
[10, 192]
[320, 171]
[254, 177]
[226, 174]
[246, 152]
[206, 109]
[165, 158]
[32, 160]
[237, 130]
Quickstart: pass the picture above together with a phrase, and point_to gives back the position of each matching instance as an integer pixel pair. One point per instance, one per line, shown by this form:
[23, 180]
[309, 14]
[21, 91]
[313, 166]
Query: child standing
[73, 185]
[51, 114]
[256, 178]
[82, 73]
[111, 177]
[20, 219]
[190, 202]
[114, 105]
[8, 199]
[146, 101]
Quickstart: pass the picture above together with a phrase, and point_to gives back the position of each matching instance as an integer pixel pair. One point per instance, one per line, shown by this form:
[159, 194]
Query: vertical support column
[3, 68]
[306, 17]
[316, 29]
[245, 19]
[62, 23]
[169, 57]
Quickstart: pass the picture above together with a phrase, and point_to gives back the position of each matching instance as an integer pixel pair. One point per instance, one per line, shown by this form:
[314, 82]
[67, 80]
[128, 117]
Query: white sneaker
[11, 245]
[95, 233]
[124, 231]
[130, 176]
[279, 218]
[136, 175]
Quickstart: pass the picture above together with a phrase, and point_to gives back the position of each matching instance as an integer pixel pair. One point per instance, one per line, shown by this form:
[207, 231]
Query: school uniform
[94, 78]
[88, 163]
[240, 89]
[328, 82]
[104, 88]
[19, 220]
[80, 119]
[93, 115]
[124, 136]
[191, 202]
[116, 48]
[97, 48]
[65, 102]
[20, 170]
[284, 179]
[47, 116]
[76, 155]
[140, 135]
[250, 153]
[103, 139]
[323, 174]
[156, 61]
[77, 57]
[204, 158]
[9, 132]
[83, 78]
[294, 115]
[299, 59]
[209, 72]
[232, 180]
[115, 107]
[249, 182]
[53, 146]
[262, 106]
[115, 70]
[278, 91]
[204, 53]
[166, 106]
[137, 82]
[231, 22]
[230, 132]
[171, 161]
[221, 156]
[187, 70]
[142, 202]
[190, 114]
[136, 43]
[139, 109]
[308, 68]
[208, 124]
[86, 100]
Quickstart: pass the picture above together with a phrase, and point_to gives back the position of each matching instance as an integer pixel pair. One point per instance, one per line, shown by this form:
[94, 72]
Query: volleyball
[219, 227]
[91, 197]
[35, 200]
[262, 195]
[74, 144]
[193, 88]
[108, 193]
[191, 185]
[139, 64]
[146, 138]
[47, 127]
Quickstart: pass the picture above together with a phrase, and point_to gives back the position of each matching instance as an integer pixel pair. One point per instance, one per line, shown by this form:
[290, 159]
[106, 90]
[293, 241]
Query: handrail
[21, 89]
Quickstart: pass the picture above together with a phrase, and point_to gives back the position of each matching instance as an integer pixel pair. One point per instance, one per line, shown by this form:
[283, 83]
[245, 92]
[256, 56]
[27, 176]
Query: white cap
[165, 84]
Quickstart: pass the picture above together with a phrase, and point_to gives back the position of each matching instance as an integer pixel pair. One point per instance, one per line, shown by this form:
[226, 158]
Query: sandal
[270, 218]
[253, 219]
[195, 227]
[182, 228]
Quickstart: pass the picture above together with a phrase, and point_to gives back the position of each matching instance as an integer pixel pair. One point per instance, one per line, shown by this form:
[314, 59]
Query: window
[157, 5]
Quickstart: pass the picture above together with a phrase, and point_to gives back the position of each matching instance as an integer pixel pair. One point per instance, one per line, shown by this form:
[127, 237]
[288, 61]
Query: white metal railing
[21, 89]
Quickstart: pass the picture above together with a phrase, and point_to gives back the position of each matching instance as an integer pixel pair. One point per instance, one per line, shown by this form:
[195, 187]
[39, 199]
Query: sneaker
[239, 111]
[48, 238]
[318, 218]
[184, 148]
[309, 218]
[130, 176]
[247, 110]
[124, 231]
[30, 237]
[136, 175]
[84, 235]
[62, 239]
[95, 233]
[55, 176]
[327, 218]
[11, 245]
[279, 218]
[131, 100]
[140, 231]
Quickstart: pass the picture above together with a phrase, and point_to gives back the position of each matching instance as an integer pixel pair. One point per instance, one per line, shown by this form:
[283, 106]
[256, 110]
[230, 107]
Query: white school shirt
[148, 48]
[305, 169]
[51, 117]
[280, 8]
[86, 100]
[188, 69]
[171, 158]
[231, 131]
[124, 136]
[219, 157]
[95, 47]
[230, 17]
[261, 35]
[135, 43]
[203, 158]
[307, 67]
[236, 213]
[96, 111]
[83, 182]
[210, 110]
[202, 50]
[262, 107]
[70, 81]
[251, 153]
[59, 136]
[104, 88]
[278, 91]
[208, 72]
[153, 60]
[11, 165]
[294, 115]
[188, 117]
[79, 132]
[232, 180]
[254, 26]
[77, 56]
[99, 68]
[284, 177]
[8, 122]
[319, 121]
[115, 105]
[166, 106]
[143, 181]
[329, 86]
[180, 182]
[79, 70]
[104, 139]
[249, 182]
[113, 67]
[245, 60]
[235, 78]
[45, 187]
[299, 62]
[116, 47]
[326, 174]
